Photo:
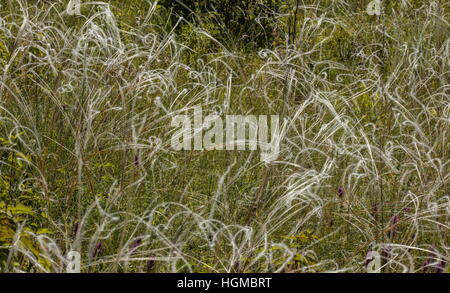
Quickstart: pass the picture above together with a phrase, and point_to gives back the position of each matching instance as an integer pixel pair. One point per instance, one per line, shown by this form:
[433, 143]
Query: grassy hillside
[86, 163]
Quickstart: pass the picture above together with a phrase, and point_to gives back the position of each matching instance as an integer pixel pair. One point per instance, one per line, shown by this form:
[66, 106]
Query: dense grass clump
[86, 165]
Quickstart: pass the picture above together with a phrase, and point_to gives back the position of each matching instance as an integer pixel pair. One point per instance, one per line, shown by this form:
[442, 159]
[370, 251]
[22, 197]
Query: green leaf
[43, 231]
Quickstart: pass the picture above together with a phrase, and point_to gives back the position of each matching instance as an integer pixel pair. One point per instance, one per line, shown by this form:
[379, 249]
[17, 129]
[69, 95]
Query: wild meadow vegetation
[86, 164]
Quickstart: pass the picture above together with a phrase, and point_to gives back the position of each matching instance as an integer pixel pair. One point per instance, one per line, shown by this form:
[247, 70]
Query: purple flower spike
[432, 264]
[394, 220]
[341, 191]
[393, 225]
[150, 265]
[136, 243]
[97, 249]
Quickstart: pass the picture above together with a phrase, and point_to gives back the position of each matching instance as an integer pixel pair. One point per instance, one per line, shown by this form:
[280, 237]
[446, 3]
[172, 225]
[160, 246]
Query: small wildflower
[341, 191]
[393, 225]
[97, 249]
[150, 265]
[432, 264]
[135, 244]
